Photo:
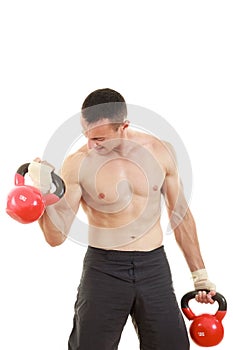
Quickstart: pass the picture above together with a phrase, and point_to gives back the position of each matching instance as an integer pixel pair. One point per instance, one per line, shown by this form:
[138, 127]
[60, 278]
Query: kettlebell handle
[57, 180]
[191, 295]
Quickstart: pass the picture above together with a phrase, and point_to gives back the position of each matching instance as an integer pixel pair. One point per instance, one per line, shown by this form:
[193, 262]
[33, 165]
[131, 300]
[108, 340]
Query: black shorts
[116, 284]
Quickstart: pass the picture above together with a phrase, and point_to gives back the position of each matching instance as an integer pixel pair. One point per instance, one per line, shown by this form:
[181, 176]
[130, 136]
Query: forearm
[186, 237]
[52, 230]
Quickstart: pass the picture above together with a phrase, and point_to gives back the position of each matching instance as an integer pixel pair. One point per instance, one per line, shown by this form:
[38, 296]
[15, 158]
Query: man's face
[102, 136]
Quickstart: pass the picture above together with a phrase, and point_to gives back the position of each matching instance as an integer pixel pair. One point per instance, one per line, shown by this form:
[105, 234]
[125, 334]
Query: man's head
[103, 118]
[104, 104]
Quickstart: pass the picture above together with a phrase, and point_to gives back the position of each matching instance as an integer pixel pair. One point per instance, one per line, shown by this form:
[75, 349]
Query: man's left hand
[205, 297]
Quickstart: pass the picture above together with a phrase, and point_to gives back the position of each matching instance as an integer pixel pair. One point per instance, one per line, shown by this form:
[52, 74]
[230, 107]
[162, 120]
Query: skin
[119, 191]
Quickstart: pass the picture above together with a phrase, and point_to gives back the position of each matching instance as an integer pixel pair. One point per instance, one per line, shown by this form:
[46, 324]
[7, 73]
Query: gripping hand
[40, 174]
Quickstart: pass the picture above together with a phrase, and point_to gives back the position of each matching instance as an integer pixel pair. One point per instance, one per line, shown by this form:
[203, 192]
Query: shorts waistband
[124, 252]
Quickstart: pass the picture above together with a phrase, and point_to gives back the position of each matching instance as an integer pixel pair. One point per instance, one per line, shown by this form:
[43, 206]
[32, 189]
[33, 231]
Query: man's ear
[125, 124]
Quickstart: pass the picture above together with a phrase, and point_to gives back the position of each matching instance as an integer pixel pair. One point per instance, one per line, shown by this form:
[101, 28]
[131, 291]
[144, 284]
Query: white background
[173, 57]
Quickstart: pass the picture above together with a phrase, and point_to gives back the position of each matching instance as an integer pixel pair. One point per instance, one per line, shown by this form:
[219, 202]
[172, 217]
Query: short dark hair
[104, 104]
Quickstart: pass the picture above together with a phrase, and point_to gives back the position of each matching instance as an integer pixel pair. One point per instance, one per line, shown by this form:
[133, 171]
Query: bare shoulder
[162, 150]
[72, 162]
[158, 146]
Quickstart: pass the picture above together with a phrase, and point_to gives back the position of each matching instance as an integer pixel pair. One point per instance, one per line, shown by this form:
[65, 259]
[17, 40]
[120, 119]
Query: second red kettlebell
[206, 329]
[25, 203]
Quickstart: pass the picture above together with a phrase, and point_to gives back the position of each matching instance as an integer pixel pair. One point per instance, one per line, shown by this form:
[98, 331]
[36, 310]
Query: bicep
[172, 189]
[63, 213]
[70, 175]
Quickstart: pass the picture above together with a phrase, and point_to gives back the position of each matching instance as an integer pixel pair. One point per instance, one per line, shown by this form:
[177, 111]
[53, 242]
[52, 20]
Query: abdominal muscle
[146, 242]
[125, 231]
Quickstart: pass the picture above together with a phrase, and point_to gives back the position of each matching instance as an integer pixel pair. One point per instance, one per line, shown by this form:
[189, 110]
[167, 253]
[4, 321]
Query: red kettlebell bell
[25, 203]
[206, 329]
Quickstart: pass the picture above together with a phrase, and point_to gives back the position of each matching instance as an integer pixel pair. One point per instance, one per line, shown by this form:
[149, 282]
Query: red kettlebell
[206, 329]
[25, 203]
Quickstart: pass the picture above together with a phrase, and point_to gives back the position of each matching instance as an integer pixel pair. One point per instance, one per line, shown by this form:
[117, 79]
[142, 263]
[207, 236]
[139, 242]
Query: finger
[204, 297]
[201, 297]
[37, 159]
[198, 296]
[47, 163]
[212, 293]
[209, 299]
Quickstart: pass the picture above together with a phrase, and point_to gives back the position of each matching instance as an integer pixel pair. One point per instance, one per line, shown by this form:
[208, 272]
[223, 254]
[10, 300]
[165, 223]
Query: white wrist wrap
[201, 281]
[40, 175]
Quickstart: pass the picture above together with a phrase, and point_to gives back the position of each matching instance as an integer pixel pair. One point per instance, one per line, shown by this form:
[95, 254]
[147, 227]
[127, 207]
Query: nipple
[101, 195]
[155, 188]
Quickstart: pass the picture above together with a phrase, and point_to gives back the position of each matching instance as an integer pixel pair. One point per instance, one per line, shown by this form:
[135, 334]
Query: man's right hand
[40, 174]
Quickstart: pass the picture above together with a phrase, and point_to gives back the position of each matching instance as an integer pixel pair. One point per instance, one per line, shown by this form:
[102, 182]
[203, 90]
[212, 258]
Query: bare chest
[119, 182]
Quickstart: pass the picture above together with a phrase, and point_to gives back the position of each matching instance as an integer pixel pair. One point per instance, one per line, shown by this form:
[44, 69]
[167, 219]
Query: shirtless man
[118, 177]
